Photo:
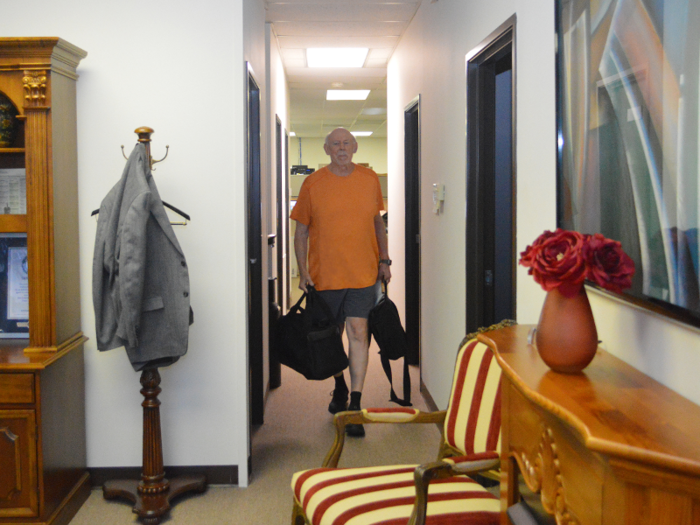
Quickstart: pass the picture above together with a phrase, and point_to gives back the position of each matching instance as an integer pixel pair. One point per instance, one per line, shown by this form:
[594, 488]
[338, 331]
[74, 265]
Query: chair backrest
[473, 420]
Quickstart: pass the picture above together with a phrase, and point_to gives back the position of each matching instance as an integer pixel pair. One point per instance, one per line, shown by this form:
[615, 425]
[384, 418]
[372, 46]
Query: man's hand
[384, 274]
[304, 281]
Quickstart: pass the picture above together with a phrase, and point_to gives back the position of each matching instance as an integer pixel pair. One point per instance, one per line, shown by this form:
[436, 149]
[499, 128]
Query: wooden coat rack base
[151, 496]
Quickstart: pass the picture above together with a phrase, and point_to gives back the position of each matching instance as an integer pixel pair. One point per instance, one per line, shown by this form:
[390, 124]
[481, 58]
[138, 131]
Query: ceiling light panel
[347, 94]
[374, 111]
[338, 57]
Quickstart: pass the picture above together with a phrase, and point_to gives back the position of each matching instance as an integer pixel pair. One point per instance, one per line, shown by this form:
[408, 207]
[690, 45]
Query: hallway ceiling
[301, 24]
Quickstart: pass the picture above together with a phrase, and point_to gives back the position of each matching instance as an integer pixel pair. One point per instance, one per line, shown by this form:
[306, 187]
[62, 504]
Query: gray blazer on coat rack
[140, 282]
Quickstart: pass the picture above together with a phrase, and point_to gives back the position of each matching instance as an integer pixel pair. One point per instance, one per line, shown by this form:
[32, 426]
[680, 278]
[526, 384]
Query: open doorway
[490, 257]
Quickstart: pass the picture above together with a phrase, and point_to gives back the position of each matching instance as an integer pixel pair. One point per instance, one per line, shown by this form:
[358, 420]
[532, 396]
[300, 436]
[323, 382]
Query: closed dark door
[412, 202]
[277, 293]
[254, 248]
[490, 233]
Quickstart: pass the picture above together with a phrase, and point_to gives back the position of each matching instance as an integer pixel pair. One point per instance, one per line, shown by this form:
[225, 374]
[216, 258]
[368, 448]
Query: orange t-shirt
[339, 212]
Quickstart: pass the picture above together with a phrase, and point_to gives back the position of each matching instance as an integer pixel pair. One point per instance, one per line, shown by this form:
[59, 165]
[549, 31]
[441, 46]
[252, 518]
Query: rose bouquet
[565, 259]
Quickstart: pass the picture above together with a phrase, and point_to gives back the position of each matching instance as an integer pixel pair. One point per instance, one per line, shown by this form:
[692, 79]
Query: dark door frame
[254, 249]
[287, 239]
[481, 72]
[282, 215]
[412, 220]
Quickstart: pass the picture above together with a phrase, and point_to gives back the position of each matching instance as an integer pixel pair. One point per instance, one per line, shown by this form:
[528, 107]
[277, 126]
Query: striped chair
[435, 493]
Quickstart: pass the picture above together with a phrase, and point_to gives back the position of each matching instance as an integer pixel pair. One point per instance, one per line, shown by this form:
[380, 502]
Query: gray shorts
[351, 302]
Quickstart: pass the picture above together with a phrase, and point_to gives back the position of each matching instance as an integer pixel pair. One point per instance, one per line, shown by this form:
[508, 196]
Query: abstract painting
[628, 73]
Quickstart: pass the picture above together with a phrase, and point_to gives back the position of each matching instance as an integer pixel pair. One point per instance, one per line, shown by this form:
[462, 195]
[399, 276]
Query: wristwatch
[385, 261]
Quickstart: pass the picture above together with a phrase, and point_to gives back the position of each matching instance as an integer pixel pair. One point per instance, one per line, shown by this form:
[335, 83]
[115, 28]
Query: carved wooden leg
[151, 496]
[298, 517]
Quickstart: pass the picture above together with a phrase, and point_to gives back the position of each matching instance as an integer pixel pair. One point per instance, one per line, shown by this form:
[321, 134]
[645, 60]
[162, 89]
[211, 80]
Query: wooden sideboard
[608, 446]
[43, 479]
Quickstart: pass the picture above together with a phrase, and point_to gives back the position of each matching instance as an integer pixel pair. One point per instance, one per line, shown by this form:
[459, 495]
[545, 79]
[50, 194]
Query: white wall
[177, 67]
[430, 61]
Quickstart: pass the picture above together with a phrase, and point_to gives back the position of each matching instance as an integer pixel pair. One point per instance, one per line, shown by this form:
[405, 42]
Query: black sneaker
[355, 430]
[339, 401]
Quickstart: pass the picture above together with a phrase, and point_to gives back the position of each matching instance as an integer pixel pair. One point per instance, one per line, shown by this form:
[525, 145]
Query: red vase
[566, 336]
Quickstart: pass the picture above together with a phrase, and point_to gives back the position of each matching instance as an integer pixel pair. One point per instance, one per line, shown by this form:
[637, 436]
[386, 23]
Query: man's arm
[384, 273]
[301, 250]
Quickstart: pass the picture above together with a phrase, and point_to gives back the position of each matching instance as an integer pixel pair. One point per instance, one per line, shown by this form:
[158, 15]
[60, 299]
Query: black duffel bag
[308, 339]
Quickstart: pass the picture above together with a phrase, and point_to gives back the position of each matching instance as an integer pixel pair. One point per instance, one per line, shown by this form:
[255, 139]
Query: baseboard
[215, 474]
[70, 506]
[427, 397]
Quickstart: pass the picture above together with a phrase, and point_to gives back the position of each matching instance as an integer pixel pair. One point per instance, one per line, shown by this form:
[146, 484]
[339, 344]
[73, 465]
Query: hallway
[297, 433]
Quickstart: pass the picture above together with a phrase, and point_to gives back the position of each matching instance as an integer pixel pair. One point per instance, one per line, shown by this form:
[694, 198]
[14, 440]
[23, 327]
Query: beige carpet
[296, 435]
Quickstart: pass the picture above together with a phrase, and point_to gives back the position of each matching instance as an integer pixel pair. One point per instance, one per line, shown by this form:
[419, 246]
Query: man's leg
[358, 351]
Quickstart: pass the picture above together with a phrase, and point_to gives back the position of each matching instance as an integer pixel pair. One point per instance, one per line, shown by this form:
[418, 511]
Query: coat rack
[151, 495]
[144, 134]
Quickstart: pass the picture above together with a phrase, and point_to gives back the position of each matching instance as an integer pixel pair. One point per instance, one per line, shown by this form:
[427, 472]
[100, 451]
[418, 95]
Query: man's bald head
[340, 133]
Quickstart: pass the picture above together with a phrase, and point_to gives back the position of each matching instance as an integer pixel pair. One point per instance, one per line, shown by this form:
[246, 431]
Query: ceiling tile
[381, 52]
[376, 62]
[355, 11]
[293, 53]
[303, 42]
[295, 63]
[342, 29]
[362, 72]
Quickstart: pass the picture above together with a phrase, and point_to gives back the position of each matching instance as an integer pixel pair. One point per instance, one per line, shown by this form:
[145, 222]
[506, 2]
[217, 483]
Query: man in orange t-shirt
[340, 230]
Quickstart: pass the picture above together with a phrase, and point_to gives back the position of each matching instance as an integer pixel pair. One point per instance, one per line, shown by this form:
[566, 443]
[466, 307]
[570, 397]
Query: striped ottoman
[385, 495]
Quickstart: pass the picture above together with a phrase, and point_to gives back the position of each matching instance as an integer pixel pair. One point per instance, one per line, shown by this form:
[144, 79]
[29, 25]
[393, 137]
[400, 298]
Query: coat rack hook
[124, 154]
[153, 161]
[144, 134]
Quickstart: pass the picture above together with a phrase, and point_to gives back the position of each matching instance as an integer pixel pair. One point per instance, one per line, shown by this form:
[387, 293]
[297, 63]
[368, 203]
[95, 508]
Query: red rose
[556, 261]
[608, 265]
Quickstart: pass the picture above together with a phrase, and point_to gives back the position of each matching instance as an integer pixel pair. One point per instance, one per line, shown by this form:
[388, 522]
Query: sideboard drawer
[16, 388]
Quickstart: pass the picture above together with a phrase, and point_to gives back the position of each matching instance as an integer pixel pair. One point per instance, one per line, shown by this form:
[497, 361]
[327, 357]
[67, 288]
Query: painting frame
[628, 135]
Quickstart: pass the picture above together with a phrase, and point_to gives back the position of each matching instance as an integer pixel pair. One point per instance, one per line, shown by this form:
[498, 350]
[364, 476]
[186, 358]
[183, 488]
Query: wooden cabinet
[43, 476]
[609, 446]
[18, 483]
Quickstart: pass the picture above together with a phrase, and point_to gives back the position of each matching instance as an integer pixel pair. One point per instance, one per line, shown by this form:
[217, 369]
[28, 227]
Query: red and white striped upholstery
[386, 494]
[473, 421]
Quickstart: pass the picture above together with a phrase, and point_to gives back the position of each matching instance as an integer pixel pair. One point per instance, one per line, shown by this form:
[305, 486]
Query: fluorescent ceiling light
[347, 94]
[292, 134]
[374, 111]
[336, 56]
[361, 133]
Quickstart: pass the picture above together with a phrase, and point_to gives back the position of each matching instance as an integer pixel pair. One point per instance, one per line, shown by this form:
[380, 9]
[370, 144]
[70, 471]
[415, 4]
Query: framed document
[13, 191]
[14, 289]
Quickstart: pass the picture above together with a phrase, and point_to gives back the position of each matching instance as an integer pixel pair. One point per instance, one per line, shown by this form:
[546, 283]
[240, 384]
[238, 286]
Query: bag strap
[315, 299]
[406, 401]
[297, 306]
